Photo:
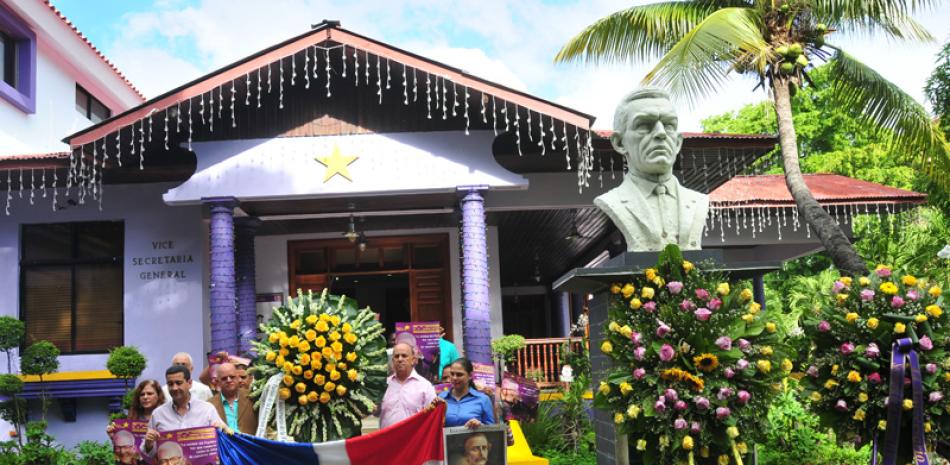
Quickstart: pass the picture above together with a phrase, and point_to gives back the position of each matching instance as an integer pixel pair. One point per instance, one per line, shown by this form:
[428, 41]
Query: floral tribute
[332, 358]
[848, 376]
[695, 364]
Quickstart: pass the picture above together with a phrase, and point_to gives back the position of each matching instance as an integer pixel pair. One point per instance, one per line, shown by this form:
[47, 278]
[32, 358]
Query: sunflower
[706, 362]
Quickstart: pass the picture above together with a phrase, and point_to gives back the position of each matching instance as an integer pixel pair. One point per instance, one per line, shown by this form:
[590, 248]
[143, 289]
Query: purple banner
[127, 439]
[519, 397]
[192, 446]
[483, 375]
[442, 387]
[424, 336]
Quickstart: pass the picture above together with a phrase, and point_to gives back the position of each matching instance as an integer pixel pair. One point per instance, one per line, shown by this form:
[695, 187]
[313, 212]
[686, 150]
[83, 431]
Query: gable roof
[828, 189]
[324, 37]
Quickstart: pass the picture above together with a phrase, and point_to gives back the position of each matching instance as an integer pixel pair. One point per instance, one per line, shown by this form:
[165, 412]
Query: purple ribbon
[902, 350]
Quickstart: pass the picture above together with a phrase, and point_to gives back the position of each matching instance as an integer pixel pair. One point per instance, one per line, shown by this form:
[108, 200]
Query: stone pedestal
[613, 448]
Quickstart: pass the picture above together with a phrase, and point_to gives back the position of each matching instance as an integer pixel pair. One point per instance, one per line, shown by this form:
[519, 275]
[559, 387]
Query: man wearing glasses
[232, 403]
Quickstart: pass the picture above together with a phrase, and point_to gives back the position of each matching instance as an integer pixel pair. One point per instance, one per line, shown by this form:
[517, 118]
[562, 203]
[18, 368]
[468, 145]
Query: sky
[161, 44]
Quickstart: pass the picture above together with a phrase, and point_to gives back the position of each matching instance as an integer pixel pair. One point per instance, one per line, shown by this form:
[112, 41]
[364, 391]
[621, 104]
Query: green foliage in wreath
[331, 357]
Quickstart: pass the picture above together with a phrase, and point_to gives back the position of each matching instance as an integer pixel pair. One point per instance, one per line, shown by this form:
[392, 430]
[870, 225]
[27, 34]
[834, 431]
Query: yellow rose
[284, 341]
[908, 404]
[888, 288]
[732, 432]
[754, 307]
[618, 418]
[319, 380]
[329, 387]
[635, 304]
[327, 352]
[899, 328]
[650, 273]
[297, 370]
[300, 387]
[909, 280]
[283, 352]
[311, 320]
[687, 442]
[350, 338]
[745, 294]
[613, 326]
[335, 336]
[288, 380]
[304, 359]
[647, 293]
[664, 441]
[927, 427]
[859, 415]
[627, 290]
[352, 374]
[935, 291]
[279, 361]
[312, 396]
[625, 388]
[841, 298]
[341, 390]
[834, 369]
[320, 342]
[830, 384]
[294, 341]
[641, 444]
[846, 280]
[351, 357]
[338, 355]
[767, 351]
[310, 334]
[615, 288]
[316, 364]
[324, 397]
[335, 319]
[764, 366]
[934, 311]
[302, 399]
[872, 323]
[920, 318]
[862, 397]
[273, 338]
[688, 266]
[854, 376]
[748, 318]
[295, 324]
[722, 288]
[322, 326]
[270, 356]
[787, 365]
[308, 374]
[882, 425]
[334, 375]
[658, 281]
[626, 331]
[324, 317]
[864, 281]
[815, 396]
[288, 367]
[606, 347]
[633, 411]
[284, 393]
[851, 317]
[723, 459]
[347, 328]
[604, 388]
[742, 447]
[770, 327]
[337, 346]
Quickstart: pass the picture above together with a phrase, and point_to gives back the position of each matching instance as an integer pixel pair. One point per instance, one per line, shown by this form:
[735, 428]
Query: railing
[540, 359]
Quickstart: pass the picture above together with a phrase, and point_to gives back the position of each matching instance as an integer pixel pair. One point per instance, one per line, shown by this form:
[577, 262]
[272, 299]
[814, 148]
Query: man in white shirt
[407, 393]
[199, 390]
[183, 411]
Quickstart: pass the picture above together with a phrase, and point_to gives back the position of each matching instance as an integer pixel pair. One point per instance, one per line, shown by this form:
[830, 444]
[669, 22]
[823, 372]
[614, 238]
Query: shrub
[504, 348]
[126, 362]
[10, 385]
[40, 359]
[12, 331]
[94, 453]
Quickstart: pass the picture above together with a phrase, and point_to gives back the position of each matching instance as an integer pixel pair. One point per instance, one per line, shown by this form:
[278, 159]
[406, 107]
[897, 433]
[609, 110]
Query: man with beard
[183, 411]
[123, 445]
[233, 403]
[650, 207]
[475, 450]
[407, 393]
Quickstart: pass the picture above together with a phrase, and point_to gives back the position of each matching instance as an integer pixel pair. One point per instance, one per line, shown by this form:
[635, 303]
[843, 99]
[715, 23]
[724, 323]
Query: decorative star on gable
[337, 163]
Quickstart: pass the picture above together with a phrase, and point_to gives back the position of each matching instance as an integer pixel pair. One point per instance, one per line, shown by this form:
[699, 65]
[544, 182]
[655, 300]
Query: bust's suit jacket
[247, 417]
[638, 221]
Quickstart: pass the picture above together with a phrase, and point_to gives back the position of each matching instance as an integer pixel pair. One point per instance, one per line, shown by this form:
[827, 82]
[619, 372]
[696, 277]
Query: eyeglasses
[227, 378]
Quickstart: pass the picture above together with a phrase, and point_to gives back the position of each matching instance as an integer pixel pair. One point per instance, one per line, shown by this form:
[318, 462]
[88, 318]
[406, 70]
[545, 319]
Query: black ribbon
[903, 350]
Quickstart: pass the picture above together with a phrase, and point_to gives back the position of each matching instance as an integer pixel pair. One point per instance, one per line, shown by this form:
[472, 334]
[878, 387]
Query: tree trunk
[842, 253]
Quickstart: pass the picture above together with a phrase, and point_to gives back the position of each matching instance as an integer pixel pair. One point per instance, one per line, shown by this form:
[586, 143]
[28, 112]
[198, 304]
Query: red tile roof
[770, 190]
[95, 50]
[606, 133]
[34, 157]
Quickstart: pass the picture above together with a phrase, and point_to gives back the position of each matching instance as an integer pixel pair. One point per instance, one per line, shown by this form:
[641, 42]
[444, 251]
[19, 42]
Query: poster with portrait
[127, 439]
[483, 374]
[191, 446]
[486, 445]
[424, 336]
[520, 397]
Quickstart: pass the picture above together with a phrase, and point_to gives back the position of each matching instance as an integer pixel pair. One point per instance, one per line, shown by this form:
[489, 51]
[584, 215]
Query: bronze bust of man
[650, 207]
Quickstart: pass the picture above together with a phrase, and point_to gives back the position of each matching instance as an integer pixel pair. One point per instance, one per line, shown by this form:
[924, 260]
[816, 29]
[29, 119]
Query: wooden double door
[414, 266]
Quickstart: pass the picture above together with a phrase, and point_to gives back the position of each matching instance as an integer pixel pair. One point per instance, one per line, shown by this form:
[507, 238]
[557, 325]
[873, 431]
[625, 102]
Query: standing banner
[192, 446]
[424, 336]
[127, 439]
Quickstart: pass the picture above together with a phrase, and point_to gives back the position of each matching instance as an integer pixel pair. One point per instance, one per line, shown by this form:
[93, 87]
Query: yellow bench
[520, 452]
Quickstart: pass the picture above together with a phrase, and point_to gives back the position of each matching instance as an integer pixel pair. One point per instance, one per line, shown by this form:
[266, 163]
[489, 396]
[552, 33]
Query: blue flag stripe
[243, 449]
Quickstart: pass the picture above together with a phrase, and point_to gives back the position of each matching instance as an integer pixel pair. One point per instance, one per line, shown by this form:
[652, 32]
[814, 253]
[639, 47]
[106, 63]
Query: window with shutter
[72, 285]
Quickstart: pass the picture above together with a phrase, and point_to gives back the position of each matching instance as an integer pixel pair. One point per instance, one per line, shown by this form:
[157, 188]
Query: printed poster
[483, 374]
[192, 446]
[521, 396]
[127, 439]
[424, 336]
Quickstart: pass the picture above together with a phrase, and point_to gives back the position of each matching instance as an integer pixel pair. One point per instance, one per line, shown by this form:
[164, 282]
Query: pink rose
[883, 272]
[702, 314]
[662, 330]
[743, 397]
[838, 286]
[714, 304]
[874, 378]
[639, 353]
[680, 423]
[841, 405]
[847, 348]
[926, 344]
[659, 405]
[639, 373]
[867, 295]
[812, 371]
[702, 294]
[935, 397]
[680, 405]
[667, 352]
[670, 394]
[931, 368]
[675, 287]
[912, 295]
[635, 338]
[897, 301]
[872, 351]
[695, 427]
[742, 364]
[824, 326]
[728, 373]
[649, 307]
[702, 403]
[687, 305]
[745, 345]
[724, 342]
[724, 393]
[723, 413]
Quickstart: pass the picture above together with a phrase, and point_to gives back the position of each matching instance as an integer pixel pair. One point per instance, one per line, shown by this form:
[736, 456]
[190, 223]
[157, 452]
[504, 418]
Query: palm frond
[640, 33]
[892, 17]
[902, 120]
[700, 62]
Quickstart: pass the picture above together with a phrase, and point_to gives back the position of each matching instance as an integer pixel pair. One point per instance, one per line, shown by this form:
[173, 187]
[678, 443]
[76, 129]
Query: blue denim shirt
[472, 405]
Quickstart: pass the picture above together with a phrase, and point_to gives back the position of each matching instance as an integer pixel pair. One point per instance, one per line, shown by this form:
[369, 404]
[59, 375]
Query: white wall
[162, 316]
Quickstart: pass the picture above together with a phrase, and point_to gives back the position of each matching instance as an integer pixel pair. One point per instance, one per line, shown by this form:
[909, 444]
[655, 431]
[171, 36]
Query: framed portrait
[486, 445]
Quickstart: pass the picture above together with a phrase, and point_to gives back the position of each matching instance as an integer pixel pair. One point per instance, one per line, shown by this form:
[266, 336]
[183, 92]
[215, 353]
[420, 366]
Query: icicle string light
[415, 86]
[306, 69]
[388, 73]
[356, 68]
[405, 87]
[455, 98]
[280, 85]
[210, 113]
[494, 116]
[233, 92]
[379, 81]
[328, 69]
[467, 122]
[517, 128]
[428, 97]
[445, 97]
[258, 87]
[343, 59]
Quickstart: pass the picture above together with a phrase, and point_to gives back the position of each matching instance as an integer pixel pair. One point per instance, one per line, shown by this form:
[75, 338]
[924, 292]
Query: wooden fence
[540, 359]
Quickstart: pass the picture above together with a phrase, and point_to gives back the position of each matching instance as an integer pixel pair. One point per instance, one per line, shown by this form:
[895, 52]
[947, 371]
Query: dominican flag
[417, 440]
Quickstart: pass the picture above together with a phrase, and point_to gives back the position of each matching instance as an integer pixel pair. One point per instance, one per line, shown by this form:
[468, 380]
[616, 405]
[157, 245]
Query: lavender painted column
[476, 305]
[245, 230]
[223, 308]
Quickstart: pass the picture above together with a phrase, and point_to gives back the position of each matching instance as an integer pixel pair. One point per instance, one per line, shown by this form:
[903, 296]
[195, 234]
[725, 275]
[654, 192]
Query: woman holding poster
[465, 404]
[127, 434]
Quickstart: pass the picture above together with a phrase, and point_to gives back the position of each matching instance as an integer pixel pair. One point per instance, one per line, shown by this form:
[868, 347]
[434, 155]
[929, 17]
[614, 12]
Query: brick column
[223, 304]
[476, 304]
[245, 231]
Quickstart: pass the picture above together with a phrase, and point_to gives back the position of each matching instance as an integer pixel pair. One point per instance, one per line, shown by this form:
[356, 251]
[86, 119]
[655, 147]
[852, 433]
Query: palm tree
[700, 42]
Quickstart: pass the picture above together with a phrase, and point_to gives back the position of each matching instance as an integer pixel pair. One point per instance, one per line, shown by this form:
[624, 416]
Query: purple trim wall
[245, 229]
[223, 297]
[24, 95]
[476, 302]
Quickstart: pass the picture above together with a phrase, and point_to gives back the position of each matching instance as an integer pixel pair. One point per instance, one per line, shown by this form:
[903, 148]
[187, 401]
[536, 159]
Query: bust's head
[645, 131]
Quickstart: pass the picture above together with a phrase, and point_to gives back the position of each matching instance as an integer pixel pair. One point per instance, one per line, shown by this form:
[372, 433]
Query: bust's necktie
[669, 216]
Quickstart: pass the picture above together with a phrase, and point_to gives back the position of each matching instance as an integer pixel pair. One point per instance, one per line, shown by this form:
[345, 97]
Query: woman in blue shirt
[464, 404]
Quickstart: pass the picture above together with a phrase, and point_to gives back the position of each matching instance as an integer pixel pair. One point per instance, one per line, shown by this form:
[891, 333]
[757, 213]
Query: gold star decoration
[337, 163]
